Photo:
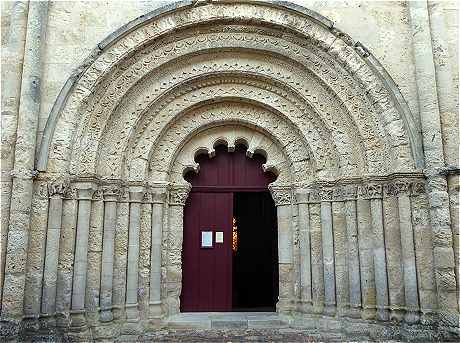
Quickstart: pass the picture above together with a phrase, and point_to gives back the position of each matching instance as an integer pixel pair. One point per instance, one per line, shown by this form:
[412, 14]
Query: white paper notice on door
[206, 239]
[219, 237]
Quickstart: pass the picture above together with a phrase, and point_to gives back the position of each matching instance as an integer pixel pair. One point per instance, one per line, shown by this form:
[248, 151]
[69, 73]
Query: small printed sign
[219, 237]
[206, 239]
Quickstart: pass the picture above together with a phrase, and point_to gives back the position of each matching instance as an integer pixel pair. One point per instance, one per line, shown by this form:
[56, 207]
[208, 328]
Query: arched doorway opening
[230, 250]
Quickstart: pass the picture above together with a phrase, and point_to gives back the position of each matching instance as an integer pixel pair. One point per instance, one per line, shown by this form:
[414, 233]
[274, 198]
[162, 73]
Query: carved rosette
[178, 194]
[281, 195]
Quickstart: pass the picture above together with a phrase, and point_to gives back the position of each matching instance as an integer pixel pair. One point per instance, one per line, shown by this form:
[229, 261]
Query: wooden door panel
[207, 272]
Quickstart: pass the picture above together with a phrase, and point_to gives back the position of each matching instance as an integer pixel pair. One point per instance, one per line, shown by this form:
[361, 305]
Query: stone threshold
[226, 320]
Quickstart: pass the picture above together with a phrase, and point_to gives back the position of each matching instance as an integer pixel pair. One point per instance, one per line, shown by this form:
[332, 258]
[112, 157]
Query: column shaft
[408, 259]
[110, 221]
[340, 251]
[328, 257]
[353, 257]
[366, 257]
[85, 193]
[52, 250]
[155, 254]
[29, 110]
[304, 246]
[380, 265]
[11, 90]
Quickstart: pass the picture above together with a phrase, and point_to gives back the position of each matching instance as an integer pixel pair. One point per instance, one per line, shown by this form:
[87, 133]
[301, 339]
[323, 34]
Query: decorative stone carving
[178, 194]
[58, 188]
[281, 195]
[374, 190]
[111, 192]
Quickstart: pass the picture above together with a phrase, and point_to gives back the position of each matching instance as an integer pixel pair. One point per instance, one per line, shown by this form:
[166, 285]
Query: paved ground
[281, 335]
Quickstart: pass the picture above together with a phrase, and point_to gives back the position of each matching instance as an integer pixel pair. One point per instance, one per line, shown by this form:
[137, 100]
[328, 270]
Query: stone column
[56, 192]
[394, 253]
[24, 158]
[354, 280]
[66, 257]
[340, 252]
[158, 199]
[11, 89]
[121, 256]
[136, 194]
[283, 201]
[328, 251]
[366, 253]
[85, 193]
[302, 196]
[408, 253]
[177, 196]
[430, 119]
[423, 252]
[111, 194]
[317, 270]
[374, 191]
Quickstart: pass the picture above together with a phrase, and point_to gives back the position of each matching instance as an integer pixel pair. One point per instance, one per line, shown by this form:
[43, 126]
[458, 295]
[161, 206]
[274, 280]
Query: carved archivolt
[311, 81]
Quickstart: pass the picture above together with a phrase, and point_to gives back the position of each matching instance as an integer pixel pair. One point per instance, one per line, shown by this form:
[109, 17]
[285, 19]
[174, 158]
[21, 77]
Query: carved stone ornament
[374, 190]
[402, 187]
[159, 194]
[281, 195]
[326, 194]
[58, 188]
[418, 187]
[178, 195]
[111, 192]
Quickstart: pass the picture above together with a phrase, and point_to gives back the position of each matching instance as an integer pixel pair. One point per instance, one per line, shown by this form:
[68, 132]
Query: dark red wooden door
[207, 271]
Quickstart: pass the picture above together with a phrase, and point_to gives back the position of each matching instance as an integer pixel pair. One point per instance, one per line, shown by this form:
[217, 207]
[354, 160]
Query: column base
[155, 310]
[106, 315]
[132, 312]
[412, 317]
[78, 320]
[382, 314]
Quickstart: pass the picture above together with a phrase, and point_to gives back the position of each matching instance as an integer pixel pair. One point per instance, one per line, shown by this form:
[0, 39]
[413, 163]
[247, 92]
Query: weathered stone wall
[368, 183]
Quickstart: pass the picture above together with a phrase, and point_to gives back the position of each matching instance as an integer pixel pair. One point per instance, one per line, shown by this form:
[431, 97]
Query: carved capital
[57, 188]
[349, 192]
[136, 193]
[302, 195]
[418, 187]
[85, 190]
[362, 191]
[402, 187]
[281, 195]
[326, 194]
[178, 194]
[159, 194]
[111, 192]
[374, 190]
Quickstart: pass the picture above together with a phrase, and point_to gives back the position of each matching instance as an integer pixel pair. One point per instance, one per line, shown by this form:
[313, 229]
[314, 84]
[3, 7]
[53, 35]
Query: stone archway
[128, 124]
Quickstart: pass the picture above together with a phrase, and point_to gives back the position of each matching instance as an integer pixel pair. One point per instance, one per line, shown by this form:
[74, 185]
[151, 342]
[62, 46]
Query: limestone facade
[362, 135]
